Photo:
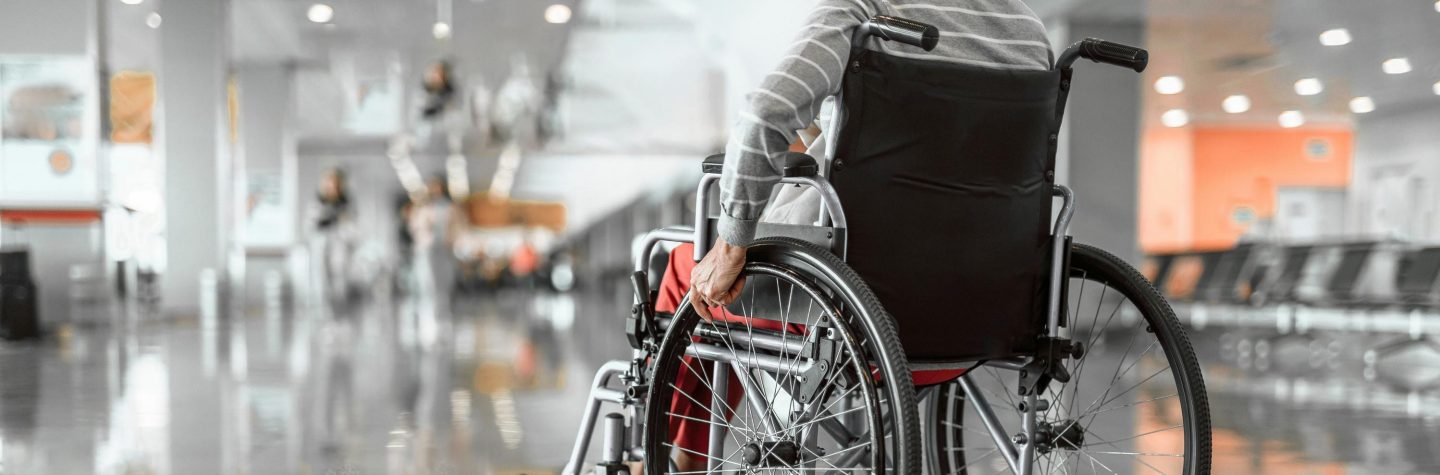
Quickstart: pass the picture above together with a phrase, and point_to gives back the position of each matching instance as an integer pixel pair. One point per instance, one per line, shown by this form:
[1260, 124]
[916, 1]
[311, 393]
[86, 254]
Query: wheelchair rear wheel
[1135, 402]
[814, 376]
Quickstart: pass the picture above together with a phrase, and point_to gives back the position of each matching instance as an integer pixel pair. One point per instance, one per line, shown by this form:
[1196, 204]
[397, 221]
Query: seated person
[1001, 34]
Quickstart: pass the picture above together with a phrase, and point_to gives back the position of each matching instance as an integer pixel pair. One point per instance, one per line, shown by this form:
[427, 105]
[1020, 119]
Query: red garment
[687, 431]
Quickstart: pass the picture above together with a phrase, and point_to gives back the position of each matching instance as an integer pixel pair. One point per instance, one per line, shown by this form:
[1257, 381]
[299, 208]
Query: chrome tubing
[829, 201]
[1057, 255]
[599, 392]
[987, 415]
[766, 362]
[720, 384]
[650, 239]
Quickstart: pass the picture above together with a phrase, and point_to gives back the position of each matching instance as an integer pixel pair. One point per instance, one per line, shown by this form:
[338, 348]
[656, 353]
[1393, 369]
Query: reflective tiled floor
[498, 388]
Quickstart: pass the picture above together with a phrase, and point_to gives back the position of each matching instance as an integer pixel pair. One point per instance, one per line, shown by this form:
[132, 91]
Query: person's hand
[716, 280]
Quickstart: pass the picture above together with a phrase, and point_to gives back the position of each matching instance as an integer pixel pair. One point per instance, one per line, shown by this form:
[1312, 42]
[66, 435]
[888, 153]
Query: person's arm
[788, 99]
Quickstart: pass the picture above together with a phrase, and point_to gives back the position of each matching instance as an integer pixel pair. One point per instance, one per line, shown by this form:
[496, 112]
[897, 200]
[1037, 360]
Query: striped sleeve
[788, 99]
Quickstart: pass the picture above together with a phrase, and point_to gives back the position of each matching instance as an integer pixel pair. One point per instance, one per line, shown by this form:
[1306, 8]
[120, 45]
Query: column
[193, 127]
[1101, 161]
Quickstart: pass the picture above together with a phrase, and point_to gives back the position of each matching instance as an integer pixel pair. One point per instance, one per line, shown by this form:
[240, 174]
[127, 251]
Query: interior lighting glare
[557, 14]
[320, 13]
[1362, 105]
[1175, 118]
[1169, 85]
[1236, 104]
[1309, 87]
[1292, 119]
[1335, 37]
[1396, 66]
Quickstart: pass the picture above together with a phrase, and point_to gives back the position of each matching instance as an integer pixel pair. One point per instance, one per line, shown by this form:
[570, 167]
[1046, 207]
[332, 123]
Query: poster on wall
[266, 222]
[47, 134]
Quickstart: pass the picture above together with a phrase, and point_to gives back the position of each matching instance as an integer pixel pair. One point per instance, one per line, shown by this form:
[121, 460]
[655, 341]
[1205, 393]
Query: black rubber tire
[866, 317]
[1097, 264]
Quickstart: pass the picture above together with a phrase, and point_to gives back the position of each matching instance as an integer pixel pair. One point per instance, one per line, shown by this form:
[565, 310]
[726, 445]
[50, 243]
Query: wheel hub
[1064, 434]
[782, 453]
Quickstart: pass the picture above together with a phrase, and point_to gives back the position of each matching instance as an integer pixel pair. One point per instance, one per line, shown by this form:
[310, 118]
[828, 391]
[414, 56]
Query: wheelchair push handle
[906, 31]
[1107, 52]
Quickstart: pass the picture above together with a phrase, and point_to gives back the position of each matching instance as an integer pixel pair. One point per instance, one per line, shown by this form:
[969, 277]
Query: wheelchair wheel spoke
[698, 454]
[1127, 390]
[705, 378]
[1137, 373]
[984, 456]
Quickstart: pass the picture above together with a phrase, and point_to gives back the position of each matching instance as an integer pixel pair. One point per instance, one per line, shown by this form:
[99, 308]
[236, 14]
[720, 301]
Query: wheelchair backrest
[945, 173]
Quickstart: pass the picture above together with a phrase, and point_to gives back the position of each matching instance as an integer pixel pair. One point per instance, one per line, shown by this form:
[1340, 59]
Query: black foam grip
[1115, 53]
[910, 32]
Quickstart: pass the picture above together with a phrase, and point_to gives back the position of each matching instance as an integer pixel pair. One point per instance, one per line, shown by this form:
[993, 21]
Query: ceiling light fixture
[1362, 105]
[1436, 87]
[1437, 5]
[320, 13]
[1396, 66]
[132, 2]
[557, 14]
[444, 15]
[1335, 37]
[1175, 118]
[1236, 104]
[1169, 85]
[1292, 119]
[153, 20]
[1309, 87]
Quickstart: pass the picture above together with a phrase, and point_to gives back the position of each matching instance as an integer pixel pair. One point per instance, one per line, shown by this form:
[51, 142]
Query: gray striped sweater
[986, 33]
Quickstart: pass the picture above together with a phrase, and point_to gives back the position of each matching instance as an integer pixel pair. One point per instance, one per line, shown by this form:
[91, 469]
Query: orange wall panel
[1237, 168]
[1166, 197]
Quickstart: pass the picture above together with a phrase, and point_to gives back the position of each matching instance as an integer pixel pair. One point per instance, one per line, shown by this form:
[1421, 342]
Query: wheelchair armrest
[793, 165]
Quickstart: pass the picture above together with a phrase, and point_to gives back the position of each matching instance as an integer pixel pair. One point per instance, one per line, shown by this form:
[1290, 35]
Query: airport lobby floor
[499, 389]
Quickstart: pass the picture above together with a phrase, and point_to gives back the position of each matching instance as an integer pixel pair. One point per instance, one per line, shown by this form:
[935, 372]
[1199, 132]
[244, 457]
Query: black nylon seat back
[945, 172]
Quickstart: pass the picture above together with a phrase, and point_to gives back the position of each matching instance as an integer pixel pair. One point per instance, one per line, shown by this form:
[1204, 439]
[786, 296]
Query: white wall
[45, 27]
[1396, 179]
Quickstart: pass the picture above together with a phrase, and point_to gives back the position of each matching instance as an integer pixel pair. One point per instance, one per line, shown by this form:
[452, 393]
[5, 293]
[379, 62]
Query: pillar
[193, 127]
[1101, 160]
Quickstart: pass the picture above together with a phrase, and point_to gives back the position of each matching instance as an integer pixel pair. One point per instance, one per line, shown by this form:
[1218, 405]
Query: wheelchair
[1059, 357]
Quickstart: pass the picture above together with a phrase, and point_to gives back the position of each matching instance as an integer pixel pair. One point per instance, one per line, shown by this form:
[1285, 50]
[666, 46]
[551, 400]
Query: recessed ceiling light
[1169, 85]
[1309, 87]
[557, 14]
[153, 20]
[320, 13]
[441, 30]
[1362, 105]
[132, 2]
[1437, 5]
[1175, 118]
[1396, 66]
[1335, 37]
[1236, 104]
[1292, 119]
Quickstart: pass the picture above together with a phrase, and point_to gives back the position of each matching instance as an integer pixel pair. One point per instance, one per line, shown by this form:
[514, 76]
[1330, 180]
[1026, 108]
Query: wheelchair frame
[1018, 455]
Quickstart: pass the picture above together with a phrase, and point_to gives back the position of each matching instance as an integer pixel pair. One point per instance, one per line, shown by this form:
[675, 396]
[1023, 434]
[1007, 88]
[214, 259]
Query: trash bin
[19, 301]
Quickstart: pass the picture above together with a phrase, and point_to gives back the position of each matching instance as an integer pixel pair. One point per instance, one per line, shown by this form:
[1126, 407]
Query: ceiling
[1259, 48]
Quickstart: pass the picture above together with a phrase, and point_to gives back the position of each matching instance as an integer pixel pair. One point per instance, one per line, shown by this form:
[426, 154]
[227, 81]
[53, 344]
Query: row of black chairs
[597, 252]
[1345, 274]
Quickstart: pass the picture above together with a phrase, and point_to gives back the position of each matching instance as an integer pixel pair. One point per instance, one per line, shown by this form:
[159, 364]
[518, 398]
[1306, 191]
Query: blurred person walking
[431, 226]
[333, 236]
